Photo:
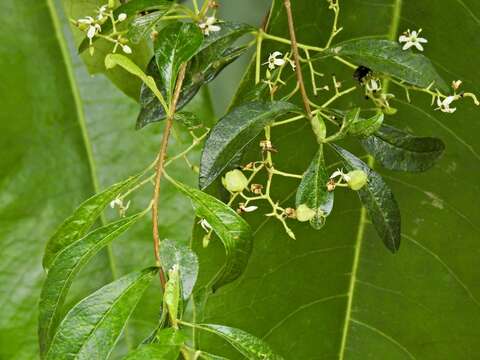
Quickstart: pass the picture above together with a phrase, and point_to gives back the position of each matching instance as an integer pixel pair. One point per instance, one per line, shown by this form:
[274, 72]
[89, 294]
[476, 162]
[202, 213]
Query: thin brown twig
[296, 58]
[160, 167]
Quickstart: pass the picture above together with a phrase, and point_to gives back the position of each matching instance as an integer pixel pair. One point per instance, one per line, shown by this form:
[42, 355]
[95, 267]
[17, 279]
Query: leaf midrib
[80, 263]
[397, 9]
[80, 117]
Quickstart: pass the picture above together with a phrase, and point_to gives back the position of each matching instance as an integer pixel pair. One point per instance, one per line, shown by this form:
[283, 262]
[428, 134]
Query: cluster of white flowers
[92, 26]
[412, 38]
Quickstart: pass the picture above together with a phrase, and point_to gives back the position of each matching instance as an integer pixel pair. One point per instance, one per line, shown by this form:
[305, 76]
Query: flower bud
[356, 179]
[319, 128]
[235, 181]
[304, 213]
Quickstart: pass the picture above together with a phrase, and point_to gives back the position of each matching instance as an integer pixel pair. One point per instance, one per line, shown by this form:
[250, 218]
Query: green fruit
[235, 181]
[356, 179]
[304, 213]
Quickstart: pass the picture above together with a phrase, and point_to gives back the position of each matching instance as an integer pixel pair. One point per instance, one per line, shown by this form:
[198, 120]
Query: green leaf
[64, 141]
[398, 150]
[172, 295]
[173, 253]
[234, 133]
[141, 52]
[378, 198]
[167, 347]
[198, 74]
[313, 192]
[215, 53]
[136, 11]
[178, 42]
[66, 264]
[337, 293]
[92, 327]
[387, 57]
[154, 351]
[349, 118]
[233, 231]
[83, 218]
[248, 345]
[366, 127]
[188, 119]
[207, 356]
[112, 60]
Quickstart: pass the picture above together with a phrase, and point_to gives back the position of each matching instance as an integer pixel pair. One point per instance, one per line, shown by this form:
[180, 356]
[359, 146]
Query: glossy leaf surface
[398, 150]
[82, 219]
[360, 301]
[91, 329]
[173, 253]
[313, 192]
[178, 43]
[378, 199]
[65, 266]
[70, 140]
[387, 57]
[248, 345]
[166, 347]
[366, 127]
[233, 231]
[232, 135]
[216, 52]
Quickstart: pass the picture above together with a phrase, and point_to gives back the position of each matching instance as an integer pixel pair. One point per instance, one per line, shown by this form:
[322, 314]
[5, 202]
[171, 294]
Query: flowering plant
[279, 152]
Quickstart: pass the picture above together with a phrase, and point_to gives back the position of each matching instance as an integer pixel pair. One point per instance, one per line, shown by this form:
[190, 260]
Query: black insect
[361, 73]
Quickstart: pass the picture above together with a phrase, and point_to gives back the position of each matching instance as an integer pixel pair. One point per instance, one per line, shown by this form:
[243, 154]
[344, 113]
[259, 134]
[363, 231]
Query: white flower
[122, 17]
[247, 209]
[205, 225]
[373, 85]
[126, 49]
[116, 202]
[86, 20]
[91, 26]
[122, 208]
[337, 173]
[102, 12]
[412, 38]
[208, 25]
[444, 105]
[275, 59]
[456, 84]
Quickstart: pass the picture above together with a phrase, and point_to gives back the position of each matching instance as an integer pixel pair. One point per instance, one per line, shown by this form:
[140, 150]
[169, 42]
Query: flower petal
[92, 30]
[418, 46]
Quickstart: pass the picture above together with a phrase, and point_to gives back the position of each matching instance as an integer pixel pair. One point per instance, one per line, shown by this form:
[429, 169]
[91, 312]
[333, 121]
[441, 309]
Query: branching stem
[296, 57]
[160, 169]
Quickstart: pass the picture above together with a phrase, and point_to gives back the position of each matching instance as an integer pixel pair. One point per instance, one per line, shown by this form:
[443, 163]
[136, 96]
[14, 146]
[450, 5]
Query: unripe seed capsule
[235, 181]
[304, 213]
[356, 179]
